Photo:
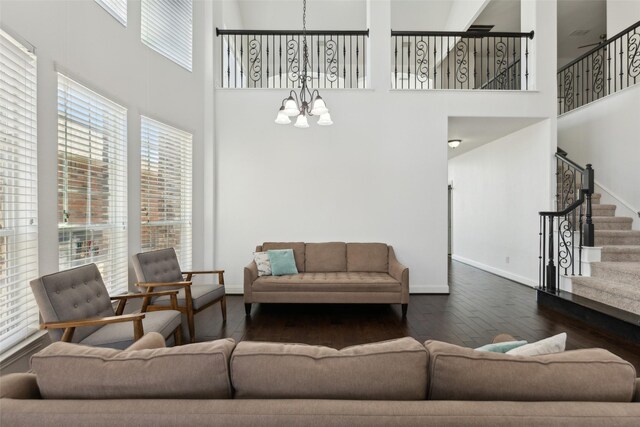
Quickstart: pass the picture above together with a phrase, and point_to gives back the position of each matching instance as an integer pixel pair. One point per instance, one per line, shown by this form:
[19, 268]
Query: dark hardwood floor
[480, 306]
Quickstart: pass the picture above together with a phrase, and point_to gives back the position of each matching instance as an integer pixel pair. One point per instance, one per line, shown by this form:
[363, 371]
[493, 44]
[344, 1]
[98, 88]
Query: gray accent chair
[76, 307]
[160, 269]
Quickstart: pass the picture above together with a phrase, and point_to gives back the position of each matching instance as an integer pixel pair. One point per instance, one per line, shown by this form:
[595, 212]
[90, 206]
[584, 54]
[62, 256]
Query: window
[117, 8]
[92, 183]
[18, 192]
[166, 189]
[167, 28]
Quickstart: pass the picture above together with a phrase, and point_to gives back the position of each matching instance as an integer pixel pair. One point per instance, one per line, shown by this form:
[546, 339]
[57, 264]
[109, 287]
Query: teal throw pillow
[282, 262]
[501, 347]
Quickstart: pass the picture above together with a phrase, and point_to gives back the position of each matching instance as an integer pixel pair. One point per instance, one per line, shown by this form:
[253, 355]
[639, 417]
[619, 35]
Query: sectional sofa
[332, 272]
[393, 383]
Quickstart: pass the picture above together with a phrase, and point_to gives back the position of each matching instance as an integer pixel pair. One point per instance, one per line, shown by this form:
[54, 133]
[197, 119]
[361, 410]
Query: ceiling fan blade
[589, 45]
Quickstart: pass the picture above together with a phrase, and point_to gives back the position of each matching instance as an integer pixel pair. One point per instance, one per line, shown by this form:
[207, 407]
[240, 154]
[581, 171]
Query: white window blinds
[18, 192]
[167, 27]
[92, 183]
[166, 189]
[117, 8]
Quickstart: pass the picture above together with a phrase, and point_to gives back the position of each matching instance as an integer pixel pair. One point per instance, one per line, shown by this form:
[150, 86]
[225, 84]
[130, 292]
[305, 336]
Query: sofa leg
[247, 309]
[404, 310]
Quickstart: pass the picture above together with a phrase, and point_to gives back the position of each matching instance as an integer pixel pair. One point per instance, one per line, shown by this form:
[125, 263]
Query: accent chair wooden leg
[247, 309]
[404, 310]
[223, 307]
[177, 335]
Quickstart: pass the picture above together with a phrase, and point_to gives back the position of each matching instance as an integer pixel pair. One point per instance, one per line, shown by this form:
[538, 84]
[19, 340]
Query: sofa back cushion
[193, 371]
[388, 370]
[325, 257]
[298, 251]
[458, 373]
[369, 257]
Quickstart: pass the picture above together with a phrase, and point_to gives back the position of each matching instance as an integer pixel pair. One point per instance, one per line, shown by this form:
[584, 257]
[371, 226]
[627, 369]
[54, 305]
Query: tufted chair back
[158, 266]
[73, 294]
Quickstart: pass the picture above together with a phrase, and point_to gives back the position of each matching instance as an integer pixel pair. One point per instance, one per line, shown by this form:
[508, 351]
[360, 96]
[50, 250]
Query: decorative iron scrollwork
[331, 62]
[293, 66]
[462, 61]
[565, 243]
[422, 60]
[598, 74]
[568, 89]
[633, 49]
[255, 60]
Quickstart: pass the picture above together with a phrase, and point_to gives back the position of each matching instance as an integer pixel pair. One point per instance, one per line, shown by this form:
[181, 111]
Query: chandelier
[307, 103]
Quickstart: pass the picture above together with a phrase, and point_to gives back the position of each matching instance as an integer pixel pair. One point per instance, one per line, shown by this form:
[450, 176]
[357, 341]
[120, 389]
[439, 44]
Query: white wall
[498, 190]
[378, 174]
[90, 46]
[605, 134]
[621, 14]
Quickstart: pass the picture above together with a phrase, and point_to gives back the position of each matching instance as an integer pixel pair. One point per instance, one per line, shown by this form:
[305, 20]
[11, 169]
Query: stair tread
[618, 232]
[626, 266]
[612, 218]
[621, 248]
[611, 287]
[603, 206]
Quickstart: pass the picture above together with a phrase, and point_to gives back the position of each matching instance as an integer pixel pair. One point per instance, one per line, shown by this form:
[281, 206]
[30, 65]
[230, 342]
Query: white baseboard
[502, 273]
[428, 289]
[234, 289]
[414, 289]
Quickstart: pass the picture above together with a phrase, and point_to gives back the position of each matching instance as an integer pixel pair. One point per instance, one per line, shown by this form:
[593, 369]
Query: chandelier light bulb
[282, 118]
[291, 107]
[302, 122]
[325, 120]
[319, 107]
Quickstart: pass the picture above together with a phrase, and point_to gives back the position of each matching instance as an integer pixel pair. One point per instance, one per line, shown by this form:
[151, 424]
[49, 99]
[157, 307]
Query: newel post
[551, 268]
[588, 189]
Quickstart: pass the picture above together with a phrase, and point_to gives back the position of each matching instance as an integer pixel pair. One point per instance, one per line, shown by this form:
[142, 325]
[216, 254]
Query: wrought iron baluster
[526, 63]
[395, 62]
[364, 62]
[357, 61]
[344, 61]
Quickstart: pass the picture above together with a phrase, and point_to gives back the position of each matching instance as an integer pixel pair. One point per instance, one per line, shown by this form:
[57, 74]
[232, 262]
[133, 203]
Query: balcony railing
[605, 69]
[460, 60]
[273, 59]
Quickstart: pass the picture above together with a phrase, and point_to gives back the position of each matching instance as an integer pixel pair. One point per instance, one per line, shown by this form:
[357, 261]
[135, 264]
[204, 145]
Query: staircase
[615, 279]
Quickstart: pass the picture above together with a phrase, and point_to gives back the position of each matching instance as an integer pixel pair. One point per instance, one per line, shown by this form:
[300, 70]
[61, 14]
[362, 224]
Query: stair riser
[600, 210]
[620, 257]
[615, 275]
[612, 300]
[609, 225]
[617, 240]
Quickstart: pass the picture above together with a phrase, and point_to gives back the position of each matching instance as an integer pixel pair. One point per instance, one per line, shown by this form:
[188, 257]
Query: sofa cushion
[262, 262]
[458, 373]
[193, 371]
[554, 344]
[388, 370]
[298, 251]
[282, 262]
[373, 257]
[325, 257]
[337, 282]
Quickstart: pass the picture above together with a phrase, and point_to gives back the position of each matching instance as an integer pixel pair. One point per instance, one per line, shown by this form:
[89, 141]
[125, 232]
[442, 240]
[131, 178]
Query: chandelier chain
[305, 52]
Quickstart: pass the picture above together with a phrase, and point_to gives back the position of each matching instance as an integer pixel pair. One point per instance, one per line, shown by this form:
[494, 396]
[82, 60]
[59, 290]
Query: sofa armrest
[250, 274]
[400, 273]
[636, 394]
[19, 386]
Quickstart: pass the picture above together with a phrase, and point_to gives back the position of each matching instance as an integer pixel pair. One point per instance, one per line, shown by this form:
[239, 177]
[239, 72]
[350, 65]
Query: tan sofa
[393, 383]
[332, 272]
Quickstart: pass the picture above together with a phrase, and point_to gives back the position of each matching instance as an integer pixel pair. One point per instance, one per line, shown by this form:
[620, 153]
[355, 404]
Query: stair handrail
[574, 180]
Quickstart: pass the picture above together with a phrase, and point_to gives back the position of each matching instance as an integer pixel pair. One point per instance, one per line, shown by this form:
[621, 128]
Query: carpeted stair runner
[615, 280]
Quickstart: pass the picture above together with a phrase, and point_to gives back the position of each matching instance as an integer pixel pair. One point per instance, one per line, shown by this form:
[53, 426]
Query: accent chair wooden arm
[122, 299]
[70, 326]
[159, 284]
[220, 274]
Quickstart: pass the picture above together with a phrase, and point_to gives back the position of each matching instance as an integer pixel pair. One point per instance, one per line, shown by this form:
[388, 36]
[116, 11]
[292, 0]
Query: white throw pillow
[554, 344]
[263, 263]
